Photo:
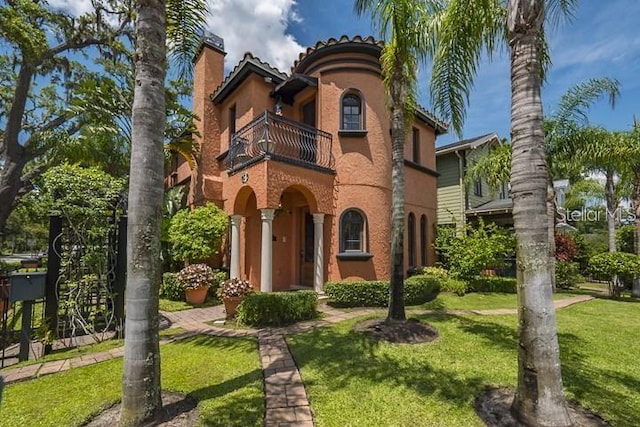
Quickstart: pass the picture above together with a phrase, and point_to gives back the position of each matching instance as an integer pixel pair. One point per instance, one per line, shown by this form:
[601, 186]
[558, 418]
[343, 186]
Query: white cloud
[75, 7]
[257, 26]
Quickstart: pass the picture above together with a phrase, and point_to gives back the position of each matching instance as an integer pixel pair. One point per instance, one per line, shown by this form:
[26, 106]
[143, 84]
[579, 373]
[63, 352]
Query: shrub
[277, 308]
[170, 288]
[566, 249]
[358, 294]
[612, 266]
[196, 235]
[438, 272]
[458, 287]
[567, 274]
[196, 275]
[9, 266]
[221, 277]
[418, 290]
[624, 238]
[466, 253]
[507, 285]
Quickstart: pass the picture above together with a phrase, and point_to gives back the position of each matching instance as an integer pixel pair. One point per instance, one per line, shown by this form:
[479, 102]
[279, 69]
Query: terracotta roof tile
[333, 41]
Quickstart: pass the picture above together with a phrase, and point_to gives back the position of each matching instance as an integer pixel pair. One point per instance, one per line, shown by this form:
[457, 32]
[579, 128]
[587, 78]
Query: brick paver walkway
[285, 396]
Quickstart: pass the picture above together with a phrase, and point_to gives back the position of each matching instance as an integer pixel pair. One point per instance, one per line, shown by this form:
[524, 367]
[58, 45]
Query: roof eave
[240, 75]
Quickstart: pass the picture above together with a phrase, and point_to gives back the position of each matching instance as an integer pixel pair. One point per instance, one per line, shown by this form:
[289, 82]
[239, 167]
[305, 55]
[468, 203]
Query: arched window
[351, 112]
[423, 240]
[353, 231]
[411, 229]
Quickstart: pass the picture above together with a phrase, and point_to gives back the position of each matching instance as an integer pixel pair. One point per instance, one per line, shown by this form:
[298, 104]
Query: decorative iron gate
[85, 280]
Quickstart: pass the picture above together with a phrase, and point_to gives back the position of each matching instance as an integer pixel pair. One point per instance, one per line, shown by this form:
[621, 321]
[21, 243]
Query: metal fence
[83, 292]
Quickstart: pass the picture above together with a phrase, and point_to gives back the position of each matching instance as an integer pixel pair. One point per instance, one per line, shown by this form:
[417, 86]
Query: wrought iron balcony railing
[274, 137]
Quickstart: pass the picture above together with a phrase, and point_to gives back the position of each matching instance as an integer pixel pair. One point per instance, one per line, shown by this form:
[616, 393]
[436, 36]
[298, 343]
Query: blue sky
[603, 40]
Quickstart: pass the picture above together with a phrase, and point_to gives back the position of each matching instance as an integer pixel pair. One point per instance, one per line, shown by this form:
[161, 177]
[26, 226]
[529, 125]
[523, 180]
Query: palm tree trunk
[611, 210]
[635, 204]
[141, 398]
[539, 399]
[551, 228]
[396, 293]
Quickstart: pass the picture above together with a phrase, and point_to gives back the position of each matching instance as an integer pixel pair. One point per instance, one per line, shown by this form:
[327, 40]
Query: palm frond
[559, 11]
[494, 167]
[404, 27]
[185, 147]
[186, 20]
[574, 105]
[466, 29]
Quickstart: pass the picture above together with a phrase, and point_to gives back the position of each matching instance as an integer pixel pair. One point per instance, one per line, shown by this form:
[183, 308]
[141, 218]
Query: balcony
[273, 137]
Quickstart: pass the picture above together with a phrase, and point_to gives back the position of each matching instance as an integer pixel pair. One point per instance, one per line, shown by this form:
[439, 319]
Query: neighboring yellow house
[458, 202]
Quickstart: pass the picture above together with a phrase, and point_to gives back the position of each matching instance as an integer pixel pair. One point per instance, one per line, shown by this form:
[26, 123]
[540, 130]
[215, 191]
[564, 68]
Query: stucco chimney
[208, 75]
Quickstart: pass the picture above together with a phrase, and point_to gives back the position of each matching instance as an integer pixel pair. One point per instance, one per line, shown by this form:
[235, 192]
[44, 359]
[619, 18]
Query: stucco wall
[362, 177]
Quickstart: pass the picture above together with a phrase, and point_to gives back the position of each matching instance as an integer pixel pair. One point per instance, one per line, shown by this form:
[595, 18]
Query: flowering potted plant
[196, 279]
[232, 292]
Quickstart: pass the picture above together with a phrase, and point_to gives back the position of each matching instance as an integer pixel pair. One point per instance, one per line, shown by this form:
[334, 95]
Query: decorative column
[318, 252]
[234, 270]
[266, 254]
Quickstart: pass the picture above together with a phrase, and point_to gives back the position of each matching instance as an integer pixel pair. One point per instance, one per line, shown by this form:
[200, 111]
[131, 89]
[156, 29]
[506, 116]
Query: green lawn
[223, 374]
[353, 381]
[480, 301]
[169, 305]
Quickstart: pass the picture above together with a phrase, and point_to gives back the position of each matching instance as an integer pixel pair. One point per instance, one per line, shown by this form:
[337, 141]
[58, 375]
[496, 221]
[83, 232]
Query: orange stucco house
[301, 162]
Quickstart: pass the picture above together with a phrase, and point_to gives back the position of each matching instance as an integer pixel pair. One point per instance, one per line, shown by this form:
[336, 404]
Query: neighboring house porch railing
[274, 137]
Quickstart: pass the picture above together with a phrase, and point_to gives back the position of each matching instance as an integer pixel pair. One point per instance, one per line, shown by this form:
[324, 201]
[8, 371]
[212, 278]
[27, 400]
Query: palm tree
[399, 24]
[633, 172]
[595, 149]
[141, 397]
[464, 31]
[567, 135]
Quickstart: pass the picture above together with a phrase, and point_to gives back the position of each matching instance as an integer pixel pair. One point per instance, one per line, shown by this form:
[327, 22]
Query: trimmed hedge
[170, 288]
[455, 286]
[418, 290]
[373, 293]
[277, 308]
[507, 285]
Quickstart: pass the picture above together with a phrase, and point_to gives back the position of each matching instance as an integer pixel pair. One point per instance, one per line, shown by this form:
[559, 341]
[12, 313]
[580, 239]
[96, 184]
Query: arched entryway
[294, 239]
[279, 247]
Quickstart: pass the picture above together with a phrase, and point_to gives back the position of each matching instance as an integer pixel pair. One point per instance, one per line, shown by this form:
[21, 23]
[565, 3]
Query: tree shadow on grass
[598, 386]
[222, 343]
[233, 402]
[236, 401]
[348, 357]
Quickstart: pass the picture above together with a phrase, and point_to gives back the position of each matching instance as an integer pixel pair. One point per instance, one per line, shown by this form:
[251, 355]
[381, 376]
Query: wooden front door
[306, 248]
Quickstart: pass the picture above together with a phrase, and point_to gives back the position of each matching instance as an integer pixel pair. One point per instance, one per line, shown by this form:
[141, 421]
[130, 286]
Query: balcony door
[309, 140]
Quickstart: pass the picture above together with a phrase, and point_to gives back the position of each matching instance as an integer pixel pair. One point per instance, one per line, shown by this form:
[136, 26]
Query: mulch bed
[410, 332]
[178, 410]
[493, 406]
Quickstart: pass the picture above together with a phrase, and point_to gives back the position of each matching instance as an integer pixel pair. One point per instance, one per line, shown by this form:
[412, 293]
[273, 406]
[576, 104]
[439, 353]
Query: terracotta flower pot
[231, 305]
[196, 296]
